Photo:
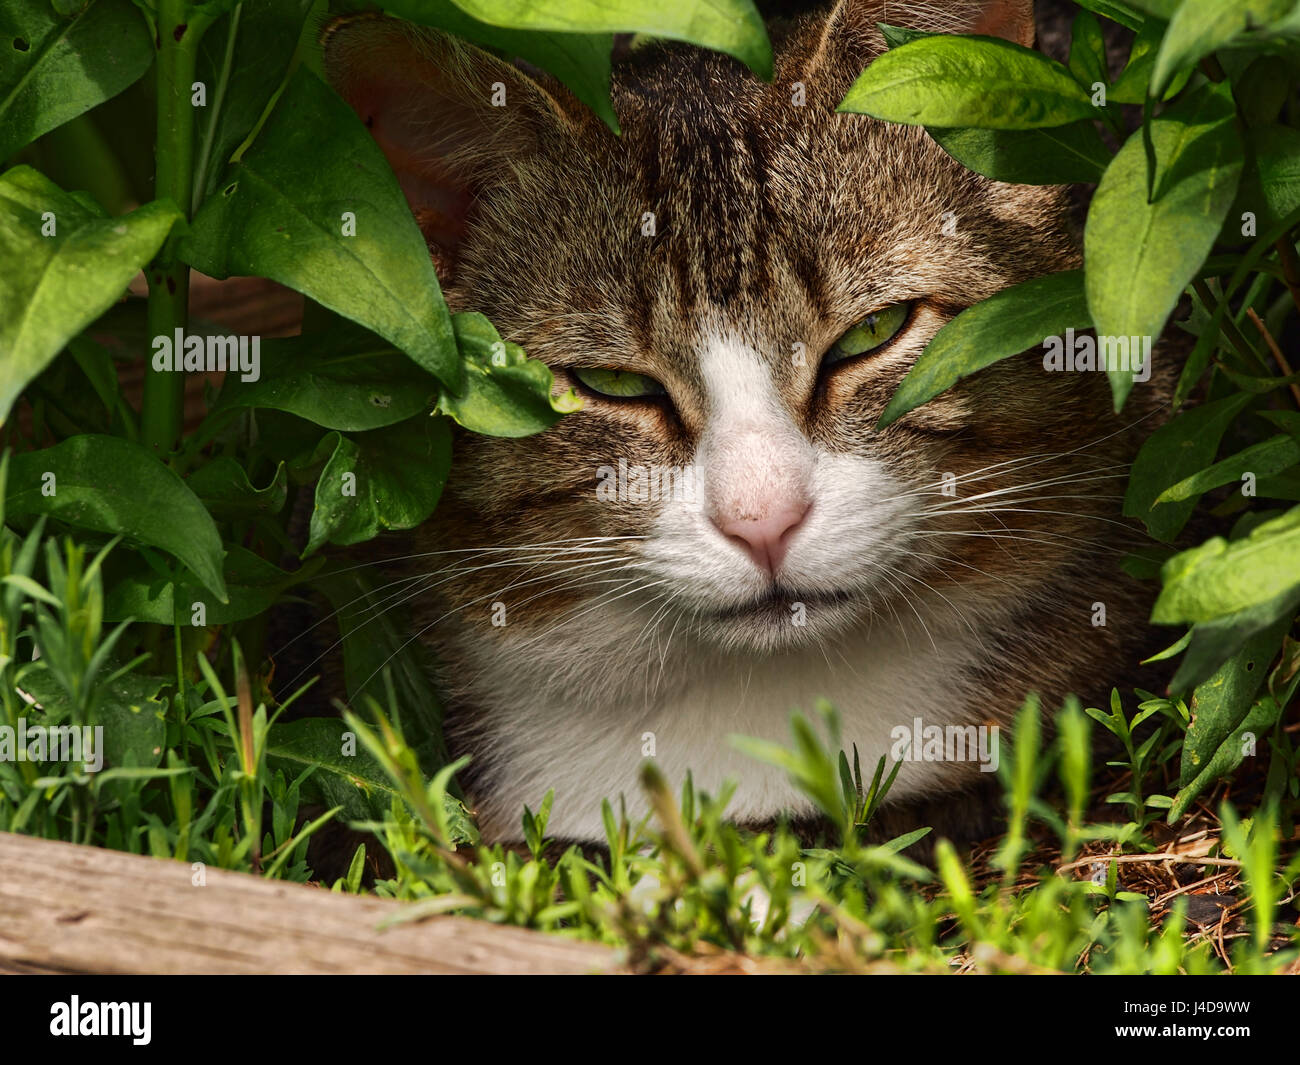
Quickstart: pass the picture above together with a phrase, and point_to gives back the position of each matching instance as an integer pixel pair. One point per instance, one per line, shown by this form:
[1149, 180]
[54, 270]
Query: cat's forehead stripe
[738, 381]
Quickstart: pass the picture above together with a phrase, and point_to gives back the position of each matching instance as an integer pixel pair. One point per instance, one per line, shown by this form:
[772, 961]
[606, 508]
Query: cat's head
[735, 286]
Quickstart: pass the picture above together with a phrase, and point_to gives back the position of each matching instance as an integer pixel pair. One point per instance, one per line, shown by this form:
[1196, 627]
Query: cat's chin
[782, 619]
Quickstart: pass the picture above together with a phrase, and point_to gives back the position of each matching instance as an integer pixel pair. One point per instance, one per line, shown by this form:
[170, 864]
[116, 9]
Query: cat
[735, 286]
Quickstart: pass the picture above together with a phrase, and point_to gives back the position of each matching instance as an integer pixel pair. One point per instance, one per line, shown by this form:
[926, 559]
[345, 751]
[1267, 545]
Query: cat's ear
[1012, 19]
[448, 116]
[850, 37]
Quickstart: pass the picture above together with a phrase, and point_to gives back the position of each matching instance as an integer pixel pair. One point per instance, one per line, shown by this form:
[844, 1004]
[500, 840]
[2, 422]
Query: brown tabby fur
[791, 223]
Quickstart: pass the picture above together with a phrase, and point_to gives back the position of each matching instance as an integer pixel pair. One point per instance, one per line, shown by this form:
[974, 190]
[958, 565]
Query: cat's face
[762, 272]
[736, 286]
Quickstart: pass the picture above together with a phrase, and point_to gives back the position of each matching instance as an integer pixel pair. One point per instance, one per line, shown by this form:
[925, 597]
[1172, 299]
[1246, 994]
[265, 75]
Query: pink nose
[765, 539]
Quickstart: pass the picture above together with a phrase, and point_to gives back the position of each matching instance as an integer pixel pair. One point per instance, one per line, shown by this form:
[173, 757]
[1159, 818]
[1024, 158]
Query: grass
[1086, 878]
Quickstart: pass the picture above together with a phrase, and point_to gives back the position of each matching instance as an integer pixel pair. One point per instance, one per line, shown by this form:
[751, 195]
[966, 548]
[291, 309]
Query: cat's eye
[618, 384]
[875, 330]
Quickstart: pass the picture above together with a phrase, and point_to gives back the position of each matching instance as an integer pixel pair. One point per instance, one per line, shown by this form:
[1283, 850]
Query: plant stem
[179, 31]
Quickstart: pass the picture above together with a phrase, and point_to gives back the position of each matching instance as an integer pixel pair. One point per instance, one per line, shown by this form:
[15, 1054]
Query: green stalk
[179, 31]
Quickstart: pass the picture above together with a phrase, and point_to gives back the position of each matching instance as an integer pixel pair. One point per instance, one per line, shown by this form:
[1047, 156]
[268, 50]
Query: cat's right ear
[448, 116]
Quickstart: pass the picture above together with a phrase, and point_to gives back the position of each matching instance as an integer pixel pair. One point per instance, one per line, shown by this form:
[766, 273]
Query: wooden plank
[65, 908]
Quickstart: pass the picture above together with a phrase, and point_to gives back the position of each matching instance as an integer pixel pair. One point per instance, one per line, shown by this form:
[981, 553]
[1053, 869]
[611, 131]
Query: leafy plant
[140, 552]
[1199, 207]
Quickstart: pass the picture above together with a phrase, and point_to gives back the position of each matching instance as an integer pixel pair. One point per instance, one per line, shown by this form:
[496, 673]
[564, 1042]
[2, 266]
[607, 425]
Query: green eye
[870, 333]
[619, 384]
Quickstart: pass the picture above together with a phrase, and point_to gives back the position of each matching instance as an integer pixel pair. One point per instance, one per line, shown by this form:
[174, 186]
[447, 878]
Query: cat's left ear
[1012, 19]
[850, 38]
[450, 117]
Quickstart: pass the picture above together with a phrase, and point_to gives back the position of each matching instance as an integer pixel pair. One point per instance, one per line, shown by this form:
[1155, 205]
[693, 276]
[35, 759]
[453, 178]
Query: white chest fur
[585, 731]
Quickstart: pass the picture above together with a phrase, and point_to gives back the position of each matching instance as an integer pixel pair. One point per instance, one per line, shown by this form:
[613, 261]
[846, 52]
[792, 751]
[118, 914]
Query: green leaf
[51, 287]
[346, 379]
[1198, 27]
[384, 479]
[506, 393]
[1005, 324]
[1223, 711]
[1219, 577]
[53, 69]
[1062, 155]
[1131, 85]
[1271, 188]
[113, 486]
[253, 586]
[897, 36]
[130, 709]
[226, 491]
[347, 774]
[1211, 643]
[1267, 457]
[1115, 10]
[1162, 9]
[1087, 61]
[580, 60]
[1286, 420]
[946, 81]
[1140, 255]
[731, 26]
[243, 61]
[280, 214]
[1180, 448]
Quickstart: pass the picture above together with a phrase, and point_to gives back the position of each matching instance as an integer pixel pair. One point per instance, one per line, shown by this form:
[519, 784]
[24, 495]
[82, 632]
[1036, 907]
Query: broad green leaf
[347, 379]
[113, 486]
[385, 479]
[1131, 85]
[1005, 324]
[243, 60]
[1223, 709]
[1062, 155]
[580, 60]
[226, 491]
[52, 286]
[1261, 90]
[1211, 643]
[253, 586]
[282, 210]
[1219, 577]
[355, 780]
[1140, 255]
[731, 26]
[1198, 27]
[1087, 61]
[948, 81]
[1270, 190]
[1181, 447]
[1263, 459]
[506, 393]
[53, 69]
[131, 710]
[379, 641]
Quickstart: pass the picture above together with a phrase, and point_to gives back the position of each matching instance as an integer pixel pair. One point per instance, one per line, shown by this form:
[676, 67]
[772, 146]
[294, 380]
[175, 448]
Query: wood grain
[66, 908]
